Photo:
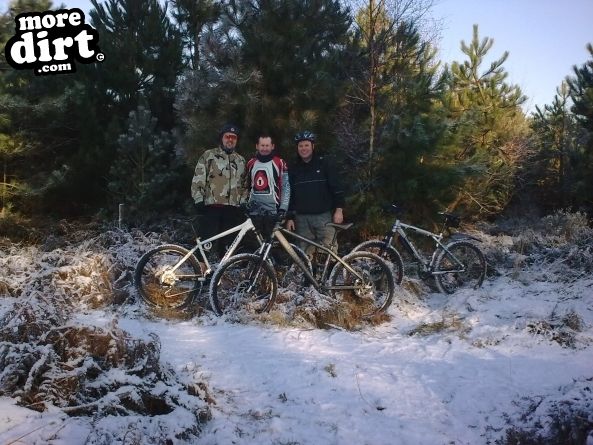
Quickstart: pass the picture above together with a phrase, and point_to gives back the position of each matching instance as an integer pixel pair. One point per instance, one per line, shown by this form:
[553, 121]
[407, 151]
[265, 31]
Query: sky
[545, 38]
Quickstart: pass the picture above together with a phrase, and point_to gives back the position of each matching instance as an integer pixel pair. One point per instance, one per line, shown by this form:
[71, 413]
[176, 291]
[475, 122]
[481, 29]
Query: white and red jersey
[268, 183]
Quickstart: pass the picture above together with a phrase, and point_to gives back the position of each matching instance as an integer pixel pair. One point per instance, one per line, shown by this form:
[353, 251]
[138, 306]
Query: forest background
[363, 75]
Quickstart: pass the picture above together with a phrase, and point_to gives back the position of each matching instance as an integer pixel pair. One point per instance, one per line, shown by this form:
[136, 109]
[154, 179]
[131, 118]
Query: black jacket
[314, 186]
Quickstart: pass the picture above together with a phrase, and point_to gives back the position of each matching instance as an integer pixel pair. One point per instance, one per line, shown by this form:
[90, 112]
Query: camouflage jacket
[219, 178]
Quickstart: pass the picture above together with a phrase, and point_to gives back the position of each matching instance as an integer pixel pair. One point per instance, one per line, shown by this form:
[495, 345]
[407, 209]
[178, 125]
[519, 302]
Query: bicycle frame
[428, 266]
[279, 233]
[201, 246]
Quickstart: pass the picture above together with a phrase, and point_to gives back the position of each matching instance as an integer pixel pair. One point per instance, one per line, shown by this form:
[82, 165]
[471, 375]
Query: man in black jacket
[317, 196]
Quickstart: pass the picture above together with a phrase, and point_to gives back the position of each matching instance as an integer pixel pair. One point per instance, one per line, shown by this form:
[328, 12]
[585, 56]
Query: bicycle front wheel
[290, 275]
[163, 282]
[460, 265]
[387, 253]
[243, 282]
[372, 289]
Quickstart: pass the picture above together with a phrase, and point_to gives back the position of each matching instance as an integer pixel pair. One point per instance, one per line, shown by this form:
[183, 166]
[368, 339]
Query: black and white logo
[51, 42]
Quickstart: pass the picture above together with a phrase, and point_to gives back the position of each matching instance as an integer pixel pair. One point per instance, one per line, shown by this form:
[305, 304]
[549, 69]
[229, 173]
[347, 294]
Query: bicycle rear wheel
[161, 286]
[451, 276]
[375, 288]
[243, 282]
[387, 253]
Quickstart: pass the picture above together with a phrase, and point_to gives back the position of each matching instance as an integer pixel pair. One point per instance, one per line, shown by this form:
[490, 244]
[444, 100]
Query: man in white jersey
[267, 178]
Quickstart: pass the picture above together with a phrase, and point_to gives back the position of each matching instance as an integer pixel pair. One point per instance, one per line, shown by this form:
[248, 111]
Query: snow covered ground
[460, 369]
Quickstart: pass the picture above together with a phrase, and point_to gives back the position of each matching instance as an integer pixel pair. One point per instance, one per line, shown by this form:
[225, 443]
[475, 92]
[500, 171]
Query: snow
[457, 369]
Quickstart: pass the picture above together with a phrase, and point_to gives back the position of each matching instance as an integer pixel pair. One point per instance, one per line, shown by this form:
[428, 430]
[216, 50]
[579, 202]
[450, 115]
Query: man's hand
[338, 216]
[281, 215]
[290, 225]
[200, 207]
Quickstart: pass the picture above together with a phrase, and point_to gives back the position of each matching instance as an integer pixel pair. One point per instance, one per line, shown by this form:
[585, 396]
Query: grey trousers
[314, 228]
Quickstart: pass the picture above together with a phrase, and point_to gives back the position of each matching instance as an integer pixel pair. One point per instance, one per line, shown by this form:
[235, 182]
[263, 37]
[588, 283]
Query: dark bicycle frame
[279, 232]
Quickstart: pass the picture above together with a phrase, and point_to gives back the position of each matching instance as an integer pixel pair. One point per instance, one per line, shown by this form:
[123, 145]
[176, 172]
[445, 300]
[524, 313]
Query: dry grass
[85, 370]
[449, 323]
[563, 241]
[562, 329]
[48, 362]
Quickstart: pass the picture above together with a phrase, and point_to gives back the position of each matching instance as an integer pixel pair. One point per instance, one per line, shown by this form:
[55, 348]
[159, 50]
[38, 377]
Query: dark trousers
[215, 220]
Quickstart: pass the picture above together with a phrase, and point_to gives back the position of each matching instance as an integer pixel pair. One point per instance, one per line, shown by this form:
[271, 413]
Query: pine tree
[143, 59]
[416, 127]
[393, 125]
[37, 133]
[145, 172]
[581, 93]
[489, 132]
[193, 18]
[294, 46]
[271, 65]
[10, 145]
[211, 85]
[377, 22]
[551, 168]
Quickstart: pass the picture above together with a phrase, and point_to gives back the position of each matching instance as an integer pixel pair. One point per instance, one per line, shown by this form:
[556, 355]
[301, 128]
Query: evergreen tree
[193, 18]
[376, 24]
[551, 172]
[37, 132]
[294, 46]
[393, 109]
[488, 136]
[209, 86]
[145, 173]
[413, 134]
[10, 145]
[581, 93]
[269, 64]
[142, 61]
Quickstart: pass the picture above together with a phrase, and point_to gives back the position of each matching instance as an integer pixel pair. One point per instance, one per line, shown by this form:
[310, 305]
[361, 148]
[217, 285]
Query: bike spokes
[369, 284]
[244, 282]
[163, 282]
[461, 266]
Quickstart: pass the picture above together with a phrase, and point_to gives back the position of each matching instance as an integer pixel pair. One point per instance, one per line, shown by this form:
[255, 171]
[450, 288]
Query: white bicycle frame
[202, 246]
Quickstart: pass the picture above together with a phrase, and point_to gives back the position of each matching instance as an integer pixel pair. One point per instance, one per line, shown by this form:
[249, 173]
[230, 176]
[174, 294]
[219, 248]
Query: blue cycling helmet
[305, 136]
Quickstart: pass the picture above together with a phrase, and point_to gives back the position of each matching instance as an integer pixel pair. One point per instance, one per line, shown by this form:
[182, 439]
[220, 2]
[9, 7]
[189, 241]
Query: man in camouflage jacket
[218, 187]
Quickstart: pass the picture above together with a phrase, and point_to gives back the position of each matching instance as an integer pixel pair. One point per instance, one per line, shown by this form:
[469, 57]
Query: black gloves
[200, 207]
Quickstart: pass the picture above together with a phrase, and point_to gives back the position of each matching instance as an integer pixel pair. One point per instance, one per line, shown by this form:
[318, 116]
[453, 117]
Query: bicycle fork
[264, 257]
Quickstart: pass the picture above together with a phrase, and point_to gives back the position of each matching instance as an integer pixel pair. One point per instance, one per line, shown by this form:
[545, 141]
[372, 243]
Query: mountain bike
[248, 281]
[456, 262]
[170, 276]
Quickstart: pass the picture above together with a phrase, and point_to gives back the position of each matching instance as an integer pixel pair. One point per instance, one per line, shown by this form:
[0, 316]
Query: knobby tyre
[159, 285]
[387, 253]
[243, 282]
[375, 288]
[450, 276]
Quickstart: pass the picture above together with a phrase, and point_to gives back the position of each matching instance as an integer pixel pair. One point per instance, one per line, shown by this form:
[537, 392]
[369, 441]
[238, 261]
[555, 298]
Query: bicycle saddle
[449, 215]
[340, 226]
[393, 208]
[451, 219]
